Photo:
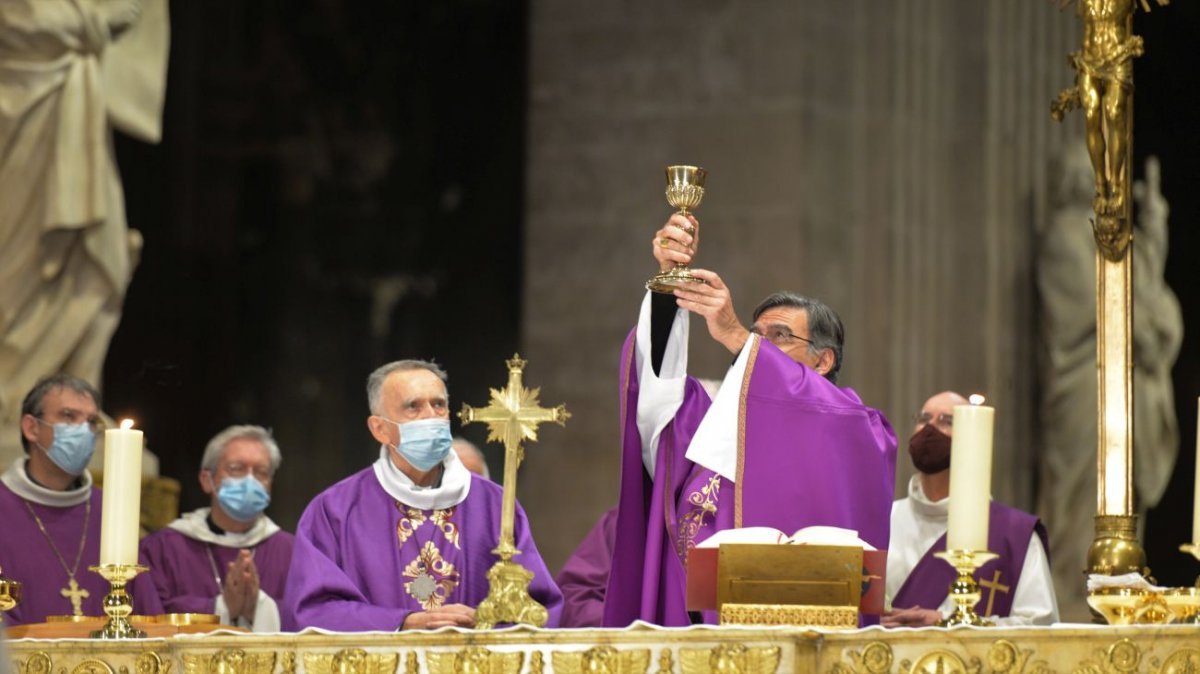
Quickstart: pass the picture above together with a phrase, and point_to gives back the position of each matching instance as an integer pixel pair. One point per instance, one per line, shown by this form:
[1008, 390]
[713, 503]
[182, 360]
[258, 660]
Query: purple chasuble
[362, 561]
[1009, 531]
[27, 557]
[183, 574]
[584, 577]
[810, 453]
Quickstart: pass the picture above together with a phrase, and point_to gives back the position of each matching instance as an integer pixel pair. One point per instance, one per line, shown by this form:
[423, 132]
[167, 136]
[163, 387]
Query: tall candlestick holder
[118, 604]
[964, 590]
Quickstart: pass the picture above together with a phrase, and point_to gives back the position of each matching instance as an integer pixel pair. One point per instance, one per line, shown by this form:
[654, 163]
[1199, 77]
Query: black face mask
[930, 450]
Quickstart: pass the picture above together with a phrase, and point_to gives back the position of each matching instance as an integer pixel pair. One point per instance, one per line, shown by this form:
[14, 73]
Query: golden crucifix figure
[1104, 90]
[512, 415]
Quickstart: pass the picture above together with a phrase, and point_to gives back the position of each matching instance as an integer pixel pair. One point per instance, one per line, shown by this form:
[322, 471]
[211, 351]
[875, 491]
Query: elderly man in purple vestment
[51, 511]
[780, 445]
[406, 543]
[1016, 588]
[229, 558]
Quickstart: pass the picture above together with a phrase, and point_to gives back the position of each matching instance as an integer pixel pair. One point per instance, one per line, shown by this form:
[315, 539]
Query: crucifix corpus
[1104, 90]
[512, 415]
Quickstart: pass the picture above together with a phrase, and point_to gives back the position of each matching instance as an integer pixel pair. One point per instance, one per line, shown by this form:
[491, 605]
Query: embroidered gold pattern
[441, 519]
[703, 503]
[432, 578]
[410, 521]
[740, 482]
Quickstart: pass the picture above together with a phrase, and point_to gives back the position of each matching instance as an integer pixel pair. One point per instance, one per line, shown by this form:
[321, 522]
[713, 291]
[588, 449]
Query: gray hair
[37, 395]
[216, 447]
[825, 330]
[380, 375]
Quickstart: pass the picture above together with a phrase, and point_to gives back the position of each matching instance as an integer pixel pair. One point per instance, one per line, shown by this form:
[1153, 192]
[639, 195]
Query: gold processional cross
[75, 595]
[1104, 90]
[512, 416]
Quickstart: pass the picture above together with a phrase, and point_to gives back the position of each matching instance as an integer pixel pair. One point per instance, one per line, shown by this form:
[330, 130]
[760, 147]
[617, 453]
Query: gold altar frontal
[1082, 649]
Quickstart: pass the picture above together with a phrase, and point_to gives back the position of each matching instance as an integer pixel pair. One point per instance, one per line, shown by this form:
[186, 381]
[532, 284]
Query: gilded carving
[942, 662]
[474, 660]
[287, 663]
[1182, 661]
[92, 666]
[351, 661]
[787, 614]
[666, 664]
[1005, 658]
[536, 664]
[230, 661]
[150, 663]
[730, 659]
[410, 664]
[36, 663]
[602, 660]
[875, 658]
[1122, 657]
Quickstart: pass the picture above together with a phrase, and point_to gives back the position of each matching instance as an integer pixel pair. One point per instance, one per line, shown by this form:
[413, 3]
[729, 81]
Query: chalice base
[666, 282]
[964, 590]
[10, 594]
[118, 604]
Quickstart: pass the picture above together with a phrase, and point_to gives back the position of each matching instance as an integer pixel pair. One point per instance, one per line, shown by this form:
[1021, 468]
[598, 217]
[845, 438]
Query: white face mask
[424, 443]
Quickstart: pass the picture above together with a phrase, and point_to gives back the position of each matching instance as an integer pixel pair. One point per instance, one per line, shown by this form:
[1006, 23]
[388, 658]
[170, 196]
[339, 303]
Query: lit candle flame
[127, 424]
[976, 399]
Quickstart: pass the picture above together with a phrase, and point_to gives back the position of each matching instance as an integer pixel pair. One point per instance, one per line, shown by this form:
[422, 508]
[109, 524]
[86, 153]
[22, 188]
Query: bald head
[943, 403]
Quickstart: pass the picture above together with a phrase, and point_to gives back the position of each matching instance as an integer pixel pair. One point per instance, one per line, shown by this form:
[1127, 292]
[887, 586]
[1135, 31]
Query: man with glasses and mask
[406, 543]
[229, 559]
[51, 511]
[1016, 588]
[780, 445]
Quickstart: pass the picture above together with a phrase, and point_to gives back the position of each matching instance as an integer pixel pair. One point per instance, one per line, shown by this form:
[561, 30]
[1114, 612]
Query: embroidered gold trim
[441, 519]
[410, 521]
[703, 502]
[430, 564]
[741, 441]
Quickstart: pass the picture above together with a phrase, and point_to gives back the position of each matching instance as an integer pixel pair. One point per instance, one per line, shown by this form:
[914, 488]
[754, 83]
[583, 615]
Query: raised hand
[713, 301]
[676, 242]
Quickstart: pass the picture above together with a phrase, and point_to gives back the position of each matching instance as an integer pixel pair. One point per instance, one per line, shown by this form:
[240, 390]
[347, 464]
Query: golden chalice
[10, 594]
[685, 189]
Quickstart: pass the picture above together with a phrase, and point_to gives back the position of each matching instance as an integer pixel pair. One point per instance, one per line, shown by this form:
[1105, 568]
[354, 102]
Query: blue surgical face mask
[72, 447]
[424, 443]
[243, 498]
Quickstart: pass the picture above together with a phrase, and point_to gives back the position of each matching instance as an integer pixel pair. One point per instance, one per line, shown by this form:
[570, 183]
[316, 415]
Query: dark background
[340, 184]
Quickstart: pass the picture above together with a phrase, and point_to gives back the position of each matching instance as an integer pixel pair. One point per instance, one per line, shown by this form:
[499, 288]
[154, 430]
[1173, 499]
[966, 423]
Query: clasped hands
[676, 243]
[241, 587]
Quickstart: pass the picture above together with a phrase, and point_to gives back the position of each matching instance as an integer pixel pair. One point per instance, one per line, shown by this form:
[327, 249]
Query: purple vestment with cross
[809, 453]
[1009, 532]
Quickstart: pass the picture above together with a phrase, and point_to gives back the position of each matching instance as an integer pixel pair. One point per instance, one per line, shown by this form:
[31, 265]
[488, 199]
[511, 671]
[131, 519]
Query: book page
[766, 535]
[820, 535]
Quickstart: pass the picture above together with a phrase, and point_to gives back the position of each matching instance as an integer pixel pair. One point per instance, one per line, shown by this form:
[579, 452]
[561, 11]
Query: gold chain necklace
[73, 593]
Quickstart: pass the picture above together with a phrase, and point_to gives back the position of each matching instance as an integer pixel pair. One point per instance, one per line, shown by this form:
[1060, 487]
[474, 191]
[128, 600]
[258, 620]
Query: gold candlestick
[118, 604]
[10, 593]
[513, 415]
[965, 591]
[685, 189]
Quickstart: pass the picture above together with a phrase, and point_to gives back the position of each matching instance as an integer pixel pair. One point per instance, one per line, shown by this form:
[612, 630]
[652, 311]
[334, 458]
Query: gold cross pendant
[75, 595]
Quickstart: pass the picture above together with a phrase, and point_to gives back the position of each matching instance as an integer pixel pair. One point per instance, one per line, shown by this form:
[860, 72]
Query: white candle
[1196, 483]
[120, 518]
[970, 477]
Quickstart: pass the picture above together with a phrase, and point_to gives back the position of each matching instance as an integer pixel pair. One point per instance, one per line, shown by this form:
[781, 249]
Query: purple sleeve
[584, 578]
[319, 593]
[154, 553]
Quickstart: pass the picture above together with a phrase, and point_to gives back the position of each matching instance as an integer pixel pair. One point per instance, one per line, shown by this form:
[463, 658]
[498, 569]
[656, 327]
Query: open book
[702, 561]
[816, 535]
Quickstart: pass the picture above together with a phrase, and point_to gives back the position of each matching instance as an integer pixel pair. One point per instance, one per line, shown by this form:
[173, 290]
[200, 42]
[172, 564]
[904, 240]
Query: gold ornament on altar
[351, 661]
[602, 660]
[10, 593]
[118, 604]
[964, 590]
[474, 660]
[512, 416]
[685, 190]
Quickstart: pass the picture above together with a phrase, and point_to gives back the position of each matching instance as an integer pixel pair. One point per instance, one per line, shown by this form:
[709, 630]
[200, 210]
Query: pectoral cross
[75, 595]
[512, 416]
[993, 585]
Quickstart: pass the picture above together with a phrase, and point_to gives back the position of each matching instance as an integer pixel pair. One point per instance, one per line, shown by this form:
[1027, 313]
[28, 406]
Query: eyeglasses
[262, 474]
[780, 336]
[943, 421]
[69, 416]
